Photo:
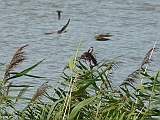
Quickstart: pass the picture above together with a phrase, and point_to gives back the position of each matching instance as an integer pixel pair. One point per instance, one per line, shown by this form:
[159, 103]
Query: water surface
[134, 24]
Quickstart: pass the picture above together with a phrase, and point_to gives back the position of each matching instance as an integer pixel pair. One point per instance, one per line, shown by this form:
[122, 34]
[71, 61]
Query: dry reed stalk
[148, 56]
[18, 58]
[70, 88]
[146, 61]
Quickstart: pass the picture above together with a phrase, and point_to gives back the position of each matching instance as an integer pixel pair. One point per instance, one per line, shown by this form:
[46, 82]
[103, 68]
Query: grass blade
[79, 106]
[25, 71]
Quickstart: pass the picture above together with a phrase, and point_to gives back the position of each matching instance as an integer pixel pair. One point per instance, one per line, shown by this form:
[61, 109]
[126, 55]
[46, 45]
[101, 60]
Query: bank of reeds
[87, 93]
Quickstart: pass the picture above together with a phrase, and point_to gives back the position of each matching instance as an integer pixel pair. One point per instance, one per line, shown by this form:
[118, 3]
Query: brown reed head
[18, 58]
[131, 78]
[147, 59]
[40, 91]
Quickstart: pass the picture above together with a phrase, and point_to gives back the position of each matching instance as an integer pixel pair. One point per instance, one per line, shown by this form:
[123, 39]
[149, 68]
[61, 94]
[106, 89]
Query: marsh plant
[7, 101]
[86, 91]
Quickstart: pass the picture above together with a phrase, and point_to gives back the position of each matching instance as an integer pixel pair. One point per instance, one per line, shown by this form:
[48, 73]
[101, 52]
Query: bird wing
[107, 35]
[48, 33]
[65, 26]
[102, 39]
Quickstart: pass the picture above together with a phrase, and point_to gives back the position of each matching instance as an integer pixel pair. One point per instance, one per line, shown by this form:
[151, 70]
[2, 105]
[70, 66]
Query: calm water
[134, 24]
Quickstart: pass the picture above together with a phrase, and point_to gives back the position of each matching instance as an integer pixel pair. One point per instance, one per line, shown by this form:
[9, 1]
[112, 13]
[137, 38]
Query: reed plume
[147, 59]
[21, 93]
[18, 58]
[133, 77]
[40, 91]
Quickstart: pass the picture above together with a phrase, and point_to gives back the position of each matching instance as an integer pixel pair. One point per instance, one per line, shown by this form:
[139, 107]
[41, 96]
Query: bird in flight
[59, 31]
[59, 14]
[103, 37]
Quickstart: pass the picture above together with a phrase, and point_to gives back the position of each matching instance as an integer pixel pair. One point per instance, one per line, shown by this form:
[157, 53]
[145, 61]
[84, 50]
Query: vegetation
[86, 91]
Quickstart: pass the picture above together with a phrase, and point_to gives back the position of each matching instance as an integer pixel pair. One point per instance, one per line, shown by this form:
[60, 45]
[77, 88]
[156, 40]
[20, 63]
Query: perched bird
[90, 50]
[103, 37]
[59, 14]
[88, 56]
[59, 31]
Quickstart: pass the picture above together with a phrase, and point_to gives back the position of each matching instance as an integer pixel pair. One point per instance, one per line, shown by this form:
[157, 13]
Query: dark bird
[59, 14]
[59, 31]
[48, 33]
[88, 56]
[103, 37]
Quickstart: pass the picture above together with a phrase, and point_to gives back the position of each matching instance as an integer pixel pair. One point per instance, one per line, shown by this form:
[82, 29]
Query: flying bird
[103, 37]
[59, 14]
[59, 31]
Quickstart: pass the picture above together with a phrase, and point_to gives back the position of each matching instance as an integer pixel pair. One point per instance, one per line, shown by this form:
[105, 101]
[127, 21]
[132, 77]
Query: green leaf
[24, 72]
[20, 86]
[81, 89]
[122, 116]
[71, 63]
[156, 75]
[107, 68]
[53, 106]
[79, 106]
[28, 75]
[140, 86]
[83, 67]
[156, 102]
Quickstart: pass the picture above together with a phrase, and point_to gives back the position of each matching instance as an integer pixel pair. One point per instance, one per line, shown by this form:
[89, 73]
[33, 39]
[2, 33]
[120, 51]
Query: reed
[94, 97]
[18, 58]
[88, 92]
[8, 102]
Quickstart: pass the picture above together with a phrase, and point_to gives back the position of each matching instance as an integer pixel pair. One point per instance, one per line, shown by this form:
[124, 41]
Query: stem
[70, 88]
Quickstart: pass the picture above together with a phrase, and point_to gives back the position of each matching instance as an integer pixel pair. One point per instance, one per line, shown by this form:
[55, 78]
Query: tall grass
[8, 102]
[85, 91]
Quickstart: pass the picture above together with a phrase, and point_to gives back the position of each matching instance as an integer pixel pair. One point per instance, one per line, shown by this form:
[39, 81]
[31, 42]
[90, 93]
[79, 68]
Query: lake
[134, 25]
